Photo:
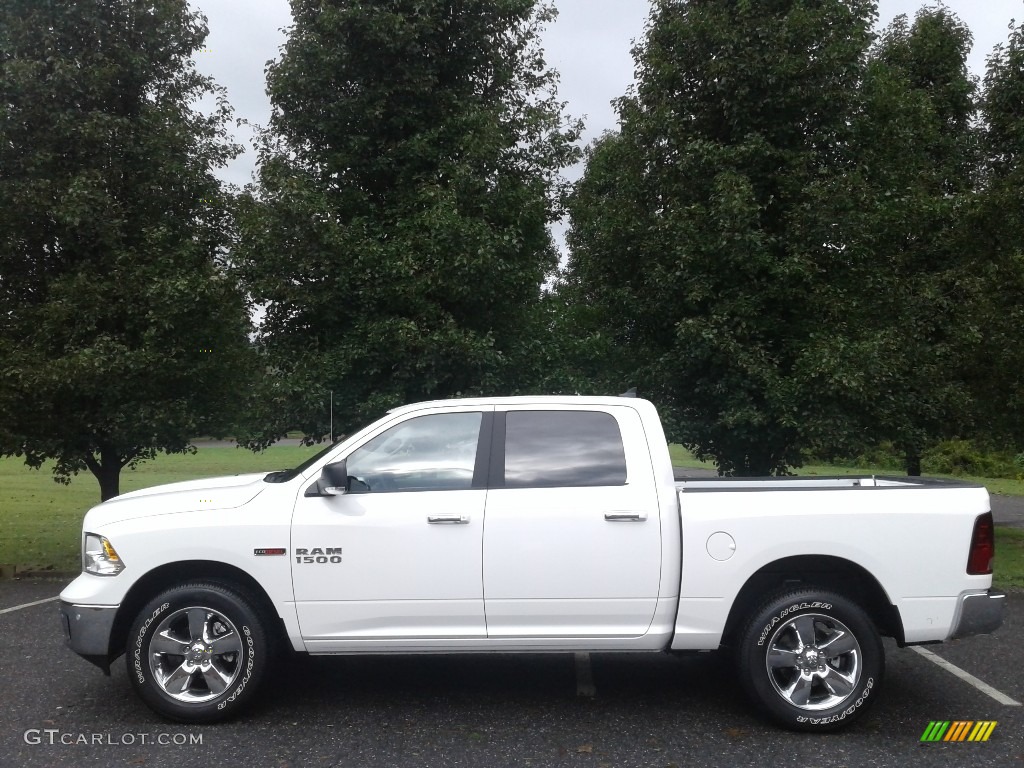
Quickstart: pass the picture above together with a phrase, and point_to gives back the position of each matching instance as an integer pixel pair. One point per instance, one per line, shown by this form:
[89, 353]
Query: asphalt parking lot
[648, 710]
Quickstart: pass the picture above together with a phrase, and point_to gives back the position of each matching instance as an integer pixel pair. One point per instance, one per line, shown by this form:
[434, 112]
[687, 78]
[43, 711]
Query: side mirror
[333, 480]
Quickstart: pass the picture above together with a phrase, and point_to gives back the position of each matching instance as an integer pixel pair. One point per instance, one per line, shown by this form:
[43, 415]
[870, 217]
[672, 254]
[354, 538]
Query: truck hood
[212, 493]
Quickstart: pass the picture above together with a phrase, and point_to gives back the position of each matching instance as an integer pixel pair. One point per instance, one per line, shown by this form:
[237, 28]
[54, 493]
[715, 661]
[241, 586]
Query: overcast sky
[589, 45]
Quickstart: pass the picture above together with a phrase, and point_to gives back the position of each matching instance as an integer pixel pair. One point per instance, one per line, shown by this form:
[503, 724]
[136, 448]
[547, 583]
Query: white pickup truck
[536, 524]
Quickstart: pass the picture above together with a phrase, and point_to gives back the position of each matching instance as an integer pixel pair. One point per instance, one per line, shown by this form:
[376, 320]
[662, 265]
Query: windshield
[284, 475]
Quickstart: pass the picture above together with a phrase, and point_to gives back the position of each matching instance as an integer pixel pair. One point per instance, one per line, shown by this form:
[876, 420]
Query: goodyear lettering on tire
[846, 712]
[251, 660]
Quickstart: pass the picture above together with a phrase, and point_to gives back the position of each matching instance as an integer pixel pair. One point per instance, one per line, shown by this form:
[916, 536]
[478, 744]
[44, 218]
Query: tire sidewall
[754, 648]
[253, 662]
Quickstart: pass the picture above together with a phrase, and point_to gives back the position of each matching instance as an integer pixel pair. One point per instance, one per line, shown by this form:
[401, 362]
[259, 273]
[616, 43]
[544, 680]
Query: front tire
[811, 659]
[197, 652]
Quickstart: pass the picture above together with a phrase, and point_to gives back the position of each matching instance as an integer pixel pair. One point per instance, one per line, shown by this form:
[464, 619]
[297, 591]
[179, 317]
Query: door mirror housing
[333, 481]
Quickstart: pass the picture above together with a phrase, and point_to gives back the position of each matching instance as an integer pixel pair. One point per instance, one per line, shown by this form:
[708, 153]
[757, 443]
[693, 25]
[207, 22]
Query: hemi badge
[270, 551]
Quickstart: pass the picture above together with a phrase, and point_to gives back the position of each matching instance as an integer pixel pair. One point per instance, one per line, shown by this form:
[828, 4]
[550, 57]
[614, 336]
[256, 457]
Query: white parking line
[29, 605]
[584, 676]
[967, 677]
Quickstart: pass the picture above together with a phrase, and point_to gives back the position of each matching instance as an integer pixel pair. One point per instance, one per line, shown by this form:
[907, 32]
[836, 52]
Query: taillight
[983, 546]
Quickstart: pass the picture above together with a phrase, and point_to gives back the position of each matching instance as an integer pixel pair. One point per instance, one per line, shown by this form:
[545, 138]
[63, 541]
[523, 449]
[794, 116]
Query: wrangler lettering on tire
[811, 659]
[198, 652]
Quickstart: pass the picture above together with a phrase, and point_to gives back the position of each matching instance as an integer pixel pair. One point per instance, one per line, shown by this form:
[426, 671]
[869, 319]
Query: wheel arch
[170, 574]
[835, 574]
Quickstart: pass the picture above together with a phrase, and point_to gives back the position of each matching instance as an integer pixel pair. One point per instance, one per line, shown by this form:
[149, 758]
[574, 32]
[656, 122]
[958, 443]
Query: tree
[596, 325]
[398, 234]
[996, 234]
[695, 235]
[121, 333]
[919, 157]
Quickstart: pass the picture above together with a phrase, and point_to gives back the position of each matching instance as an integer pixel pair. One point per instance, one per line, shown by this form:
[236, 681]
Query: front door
[396, 561]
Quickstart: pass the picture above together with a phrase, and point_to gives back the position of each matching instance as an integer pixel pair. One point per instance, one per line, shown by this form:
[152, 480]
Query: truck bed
[837, 482]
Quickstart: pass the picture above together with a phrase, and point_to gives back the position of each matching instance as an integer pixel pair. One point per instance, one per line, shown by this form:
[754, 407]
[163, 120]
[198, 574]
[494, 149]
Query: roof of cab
[518, 401]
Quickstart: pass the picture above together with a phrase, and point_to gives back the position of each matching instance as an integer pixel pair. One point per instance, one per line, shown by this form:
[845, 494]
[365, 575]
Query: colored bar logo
[959, 730]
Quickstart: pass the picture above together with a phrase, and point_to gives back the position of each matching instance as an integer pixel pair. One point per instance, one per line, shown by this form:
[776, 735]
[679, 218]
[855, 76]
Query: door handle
[625, 517]
[447, 519]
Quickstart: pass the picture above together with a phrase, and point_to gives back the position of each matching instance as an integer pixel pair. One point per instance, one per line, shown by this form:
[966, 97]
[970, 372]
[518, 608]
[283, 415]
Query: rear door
[572, 542]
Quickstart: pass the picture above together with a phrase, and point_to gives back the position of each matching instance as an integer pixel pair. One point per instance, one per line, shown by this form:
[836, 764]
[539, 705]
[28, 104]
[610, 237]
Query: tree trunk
[107, 471]
[760, 466]
[752, 464]
[913, 464]
[110, 481]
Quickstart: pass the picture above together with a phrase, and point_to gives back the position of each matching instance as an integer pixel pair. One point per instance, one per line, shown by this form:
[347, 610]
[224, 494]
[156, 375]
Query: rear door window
[552, 449]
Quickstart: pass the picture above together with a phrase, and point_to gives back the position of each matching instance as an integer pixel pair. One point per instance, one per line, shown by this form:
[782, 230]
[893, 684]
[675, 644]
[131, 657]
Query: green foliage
[904, 303]
[802, 240]
[957, 457]
[882, 456]
[936, 239]
[398, 234]
[120, 333]
[965, 457]
[996, 242]
[930, 58]
[697, 243]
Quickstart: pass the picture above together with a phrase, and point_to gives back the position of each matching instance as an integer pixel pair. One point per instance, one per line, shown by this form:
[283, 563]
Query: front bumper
[87, 630]
[979, 614]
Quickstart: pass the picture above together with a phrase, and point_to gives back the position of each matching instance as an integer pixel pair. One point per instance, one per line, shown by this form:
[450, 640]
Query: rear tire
[811, 659]
[198, 652]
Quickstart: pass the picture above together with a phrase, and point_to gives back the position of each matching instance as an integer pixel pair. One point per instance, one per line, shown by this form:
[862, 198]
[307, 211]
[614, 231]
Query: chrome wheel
[814, 662]
[194, 654]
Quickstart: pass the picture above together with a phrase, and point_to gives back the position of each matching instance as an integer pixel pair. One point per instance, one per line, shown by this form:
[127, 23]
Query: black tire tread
[263, 635]
[871, 645]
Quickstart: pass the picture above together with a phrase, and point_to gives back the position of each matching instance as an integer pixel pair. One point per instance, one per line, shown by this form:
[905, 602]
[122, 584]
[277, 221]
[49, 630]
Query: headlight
[100, 557]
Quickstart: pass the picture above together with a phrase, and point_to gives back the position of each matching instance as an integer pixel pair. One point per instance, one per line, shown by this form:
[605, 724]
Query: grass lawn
[42, 520]
[1009, 569]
